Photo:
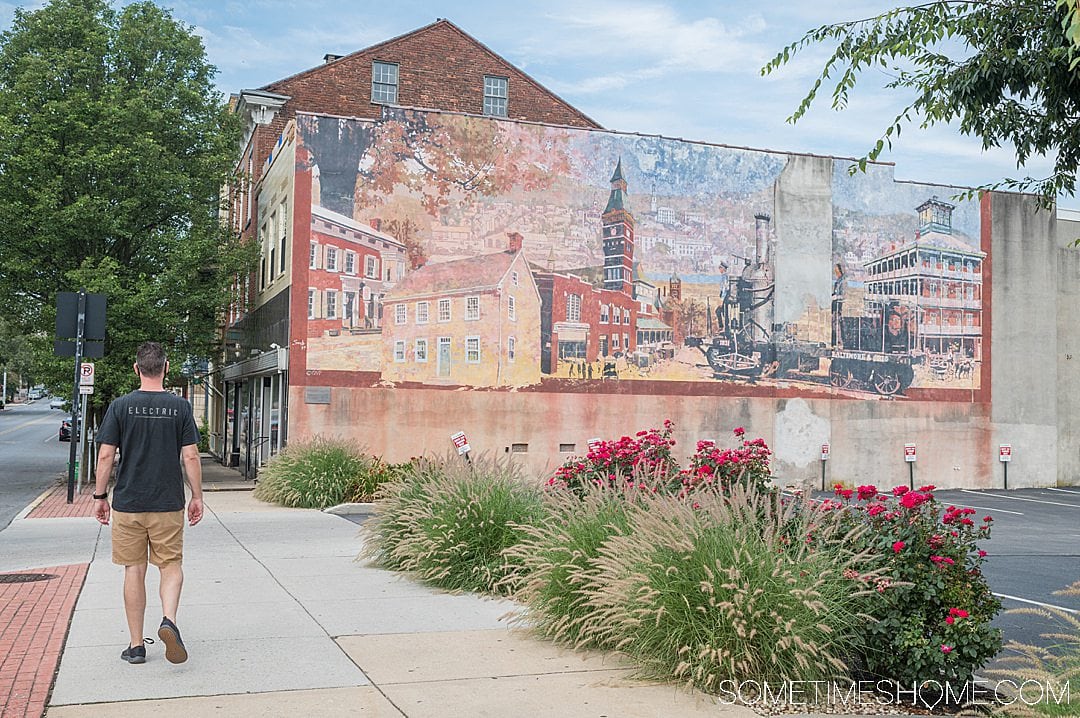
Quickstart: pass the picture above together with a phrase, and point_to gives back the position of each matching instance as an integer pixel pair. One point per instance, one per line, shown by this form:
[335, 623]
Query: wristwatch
[101, 497]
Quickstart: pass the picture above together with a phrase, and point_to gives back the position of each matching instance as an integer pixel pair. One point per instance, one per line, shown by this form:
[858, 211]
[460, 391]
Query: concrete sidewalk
[281, 620]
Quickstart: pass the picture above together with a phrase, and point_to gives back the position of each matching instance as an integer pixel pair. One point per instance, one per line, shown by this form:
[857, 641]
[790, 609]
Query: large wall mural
[450, 250]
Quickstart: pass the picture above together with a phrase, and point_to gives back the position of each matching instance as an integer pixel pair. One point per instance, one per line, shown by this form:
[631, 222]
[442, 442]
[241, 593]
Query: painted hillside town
[532, 253]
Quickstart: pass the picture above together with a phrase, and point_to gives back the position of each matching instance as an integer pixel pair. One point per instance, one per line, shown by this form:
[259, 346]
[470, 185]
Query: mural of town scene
[463, 251]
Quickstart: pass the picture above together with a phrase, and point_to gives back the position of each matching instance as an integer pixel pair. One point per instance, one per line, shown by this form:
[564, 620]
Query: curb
[365, 509]
[34, 504]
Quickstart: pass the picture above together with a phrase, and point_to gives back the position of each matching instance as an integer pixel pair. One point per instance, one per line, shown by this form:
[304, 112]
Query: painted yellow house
[469, 322]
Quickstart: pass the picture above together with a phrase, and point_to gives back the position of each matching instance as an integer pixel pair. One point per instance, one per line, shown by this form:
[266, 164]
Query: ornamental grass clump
[557, 559]
[1054, 667]
[743, 587]
[448, 522]
[933, 605]
[318, 473]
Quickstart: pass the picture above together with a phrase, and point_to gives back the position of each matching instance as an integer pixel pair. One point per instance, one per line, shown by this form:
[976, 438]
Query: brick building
[303, 288]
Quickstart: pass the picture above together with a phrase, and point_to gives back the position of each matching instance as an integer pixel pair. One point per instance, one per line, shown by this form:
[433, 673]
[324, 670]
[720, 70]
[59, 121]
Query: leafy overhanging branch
[1003, 71]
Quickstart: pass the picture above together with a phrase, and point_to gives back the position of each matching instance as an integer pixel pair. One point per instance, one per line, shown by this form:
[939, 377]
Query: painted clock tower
[618, 236]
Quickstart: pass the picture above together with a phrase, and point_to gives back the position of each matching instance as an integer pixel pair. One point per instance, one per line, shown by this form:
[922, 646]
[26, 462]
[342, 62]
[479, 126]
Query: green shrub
[715, 590]
[448, 522]
[204, 437]
[557, 557]
[319, 473]
[933, 621]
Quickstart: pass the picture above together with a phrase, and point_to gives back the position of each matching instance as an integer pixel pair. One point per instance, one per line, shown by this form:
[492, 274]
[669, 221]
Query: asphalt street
[1034, 550]
[31, 456]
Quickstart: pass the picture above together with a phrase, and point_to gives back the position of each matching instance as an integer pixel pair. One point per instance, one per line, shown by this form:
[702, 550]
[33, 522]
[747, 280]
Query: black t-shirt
[150, 427]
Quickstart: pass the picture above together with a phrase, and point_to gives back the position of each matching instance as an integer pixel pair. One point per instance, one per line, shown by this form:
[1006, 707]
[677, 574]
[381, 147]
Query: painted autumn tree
[1005, 72]
[446, 158]
[114, 146]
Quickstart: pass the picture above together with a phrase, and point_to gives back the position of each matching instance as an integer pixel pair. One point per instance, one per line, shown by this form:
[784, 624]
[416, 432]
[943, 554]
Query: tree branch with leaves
[1004, 72]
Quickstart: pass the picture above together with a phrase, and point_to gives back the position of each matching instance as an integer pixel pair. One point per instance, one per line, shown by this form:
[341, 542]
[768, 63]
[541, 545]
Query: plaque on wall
[316, 395]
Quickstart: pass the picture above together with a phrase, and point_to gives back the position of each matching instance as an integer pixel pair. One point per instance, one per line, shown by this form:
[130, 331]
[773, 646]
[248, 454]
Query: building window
[625, 316]
[350, 263]
[444, 310]
[614, 341]
[511, 349]
[421, 350]
[371, 267]
[311, 304]
[423, 310]
[472, 308]
[573, 308]
[511, 309]
[331, 304]
[603, 314]
[331, 259]
[384, 82]
[514, 278]
[283, 229]
[400, 315]
[472, 350]
[399, 350]
[626, 342]
[313, 257]
[495, 95]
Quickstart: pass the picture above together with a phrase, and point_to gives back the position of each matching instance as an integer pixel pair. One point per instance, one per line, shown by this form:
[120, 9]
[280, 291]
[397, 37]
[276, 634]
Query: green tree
[114, 148]
[1003, 71]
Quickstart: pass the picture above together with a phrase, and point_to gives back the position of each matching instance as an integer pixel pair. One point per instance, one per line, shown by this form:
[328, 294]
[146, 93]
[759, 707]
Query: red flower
[739, 431]
[899, 490]
[942, 560]
[982, 554]
[867, 492]
[950, 620]
[946, 649]
[898, 546]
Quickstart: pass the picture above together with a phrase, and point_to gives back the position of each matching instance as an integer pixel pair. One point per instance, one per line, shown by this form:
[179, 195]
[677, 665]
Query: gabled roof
[435, 28]
[480, 273]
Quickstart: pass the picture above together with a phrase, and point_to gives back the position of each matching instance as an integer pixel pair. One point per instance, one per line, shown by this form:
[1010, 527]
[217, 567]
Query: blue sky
[678, 69]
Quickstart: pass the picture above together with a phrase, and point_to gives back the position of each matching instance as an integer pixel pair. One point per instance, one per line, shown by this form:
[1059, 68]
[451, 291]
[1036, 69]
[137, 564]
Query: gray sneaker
[174, 645]
[136, 654]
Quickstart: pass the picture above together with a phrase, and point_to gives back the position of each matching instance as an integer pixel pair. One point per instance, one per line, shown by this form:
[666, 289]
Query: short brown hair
[150, 358]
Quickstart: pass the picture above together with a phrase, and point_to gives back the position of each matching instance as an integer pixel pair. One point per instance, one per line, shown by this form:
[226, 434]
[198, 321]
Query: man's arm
[105, 460]
[193, 468]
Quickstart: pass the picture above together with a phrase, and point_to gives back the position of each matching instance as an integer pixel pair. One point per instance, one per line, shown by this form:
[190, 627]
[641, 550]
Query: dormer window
[495, 95]
[384, 82]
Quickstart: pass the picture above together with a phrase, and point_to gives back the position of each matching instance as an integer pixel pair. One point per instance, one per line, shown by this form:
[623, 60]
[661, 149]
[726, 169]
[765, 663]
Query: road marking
[1017, 498]
[26, 424]
[984, 508]
[1037, 603]
[1074, 492]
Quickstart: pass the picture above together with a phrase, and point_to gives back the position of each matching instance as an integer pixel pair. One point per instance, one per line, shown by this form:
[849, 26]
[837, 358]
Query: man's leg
[135, 601]
[172, 581]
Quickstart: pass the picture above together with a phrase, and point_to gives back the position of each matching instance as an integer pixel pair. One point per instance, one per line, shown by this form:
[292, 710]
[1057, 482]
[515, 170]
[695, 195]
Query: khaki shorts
[160, 533]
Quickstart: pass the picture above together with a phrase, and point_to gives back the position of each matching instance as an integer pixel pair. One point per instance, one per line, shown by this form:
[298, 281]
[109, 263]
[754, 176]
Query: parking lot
[1034, 550]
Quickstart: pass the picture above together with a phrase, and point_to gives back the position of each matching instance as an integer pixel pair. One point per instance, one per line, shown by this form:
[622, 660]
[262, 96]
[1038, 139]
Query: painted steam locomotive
[870, 352]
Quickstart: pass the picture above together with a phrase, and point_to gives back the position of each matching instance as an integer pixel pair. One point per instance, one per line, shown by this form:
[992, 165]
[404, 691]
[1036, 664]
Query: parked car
[58, 402]
[65, 430]
[35, 394]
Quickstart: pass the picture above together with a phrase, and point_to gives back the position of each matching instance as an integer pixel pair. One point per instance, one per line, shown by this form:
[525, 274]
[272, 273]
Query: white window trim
[511, 309]
[511, 349]
[332, 253]
[331, 304]
[469, 316]
[350, 258]
[399, 351]
[313, 256]
[401, 314]
[478, 353]
[312, 295]
[427, 312]
[371, 267]
[449, 311]
[421, 358]
[396, 84]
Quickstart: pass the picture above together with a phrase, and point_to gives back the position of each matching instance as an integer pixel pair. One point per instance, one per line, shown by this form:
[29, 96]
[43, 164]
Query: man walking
[155, 432]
